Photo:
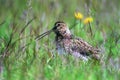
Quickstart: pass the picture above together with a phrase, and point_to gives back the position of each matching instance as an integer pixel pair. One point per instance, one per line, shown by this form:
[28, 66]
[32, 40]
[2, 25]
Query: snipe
[66, 43]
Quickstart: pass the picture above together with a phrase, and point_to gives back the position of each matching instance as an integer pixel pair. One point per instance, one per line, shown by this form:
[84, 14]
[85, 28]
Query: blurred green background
[22, 20]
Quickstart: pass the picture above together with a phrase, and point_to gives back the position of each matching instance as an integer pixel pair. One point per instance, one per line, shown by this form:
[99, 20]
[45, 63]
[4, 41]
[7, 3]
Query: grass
[22, 20]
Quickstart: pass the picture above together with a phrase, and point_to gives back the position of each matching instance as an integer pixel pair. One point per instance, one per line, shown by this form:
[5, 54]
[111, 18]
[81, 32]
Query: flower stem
[90, 29]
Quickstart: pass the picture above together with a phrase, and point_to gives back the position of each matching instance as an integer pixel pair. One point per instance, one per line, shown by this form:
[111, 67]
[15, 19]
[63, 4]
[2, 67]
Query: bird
[67, 43]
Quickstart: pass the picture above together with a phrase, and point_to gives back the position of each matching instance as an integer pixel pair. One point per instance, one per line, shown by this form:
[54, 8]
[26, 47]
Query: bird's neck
[60, 37]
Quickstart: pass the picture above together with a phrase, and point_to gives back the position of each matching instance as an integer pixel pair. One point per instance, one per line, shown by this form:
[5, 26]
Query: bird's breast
[62, 46]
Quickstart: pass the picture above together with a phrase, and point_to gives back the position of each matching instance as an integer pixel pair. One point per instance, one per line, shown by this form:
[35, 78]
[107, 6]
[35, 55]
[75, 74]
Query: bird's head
[59, 28]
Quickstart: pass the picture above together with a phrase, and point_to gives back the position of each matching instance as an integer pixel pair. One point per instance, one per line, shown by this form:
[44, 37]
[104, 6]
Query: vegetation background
[23, 58]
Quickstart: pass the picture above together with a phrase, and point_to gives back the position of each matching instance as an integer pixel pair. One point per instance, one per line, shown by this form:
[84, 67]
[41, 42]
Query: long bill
[43, 35]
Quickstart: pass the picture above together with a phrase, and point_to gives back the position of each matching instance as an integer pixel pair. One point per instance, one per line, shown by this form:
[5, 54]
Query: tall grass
[24, 58]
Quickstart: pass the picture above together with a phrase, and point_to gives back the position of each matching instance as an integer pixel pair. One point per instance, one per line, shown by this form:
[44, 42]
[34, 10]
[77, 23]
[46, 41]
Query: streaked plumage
[67, 44]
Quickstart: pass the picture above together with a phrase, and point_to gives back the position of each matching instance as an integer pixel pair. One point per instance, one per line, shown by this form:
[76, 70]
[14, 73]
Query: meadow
[24, 58]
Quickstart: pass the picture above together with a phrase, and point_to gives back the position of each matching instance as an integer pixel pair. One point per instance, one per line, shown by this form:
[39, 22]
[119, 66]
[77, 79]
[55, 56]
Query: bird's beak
[43, 35]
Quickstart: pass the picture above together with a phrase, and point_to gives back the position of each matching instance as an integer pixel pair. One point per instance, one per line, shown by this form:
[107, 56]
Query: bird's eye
[58, 24]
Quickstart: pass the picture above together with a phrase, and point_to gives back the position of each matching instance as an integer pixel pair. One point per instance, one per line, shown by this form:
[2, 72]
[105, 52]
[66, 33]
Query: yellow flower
[88, 20]
[78, 15]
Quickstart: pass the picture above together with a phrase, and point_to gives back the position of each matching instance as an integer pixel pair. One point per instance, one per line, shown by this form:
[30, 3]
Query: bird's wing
[82, 47]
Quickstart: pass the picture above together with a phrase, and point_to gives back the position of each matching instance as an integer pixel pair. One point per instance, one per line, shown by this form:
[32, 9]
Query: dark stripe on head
[59, 22]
